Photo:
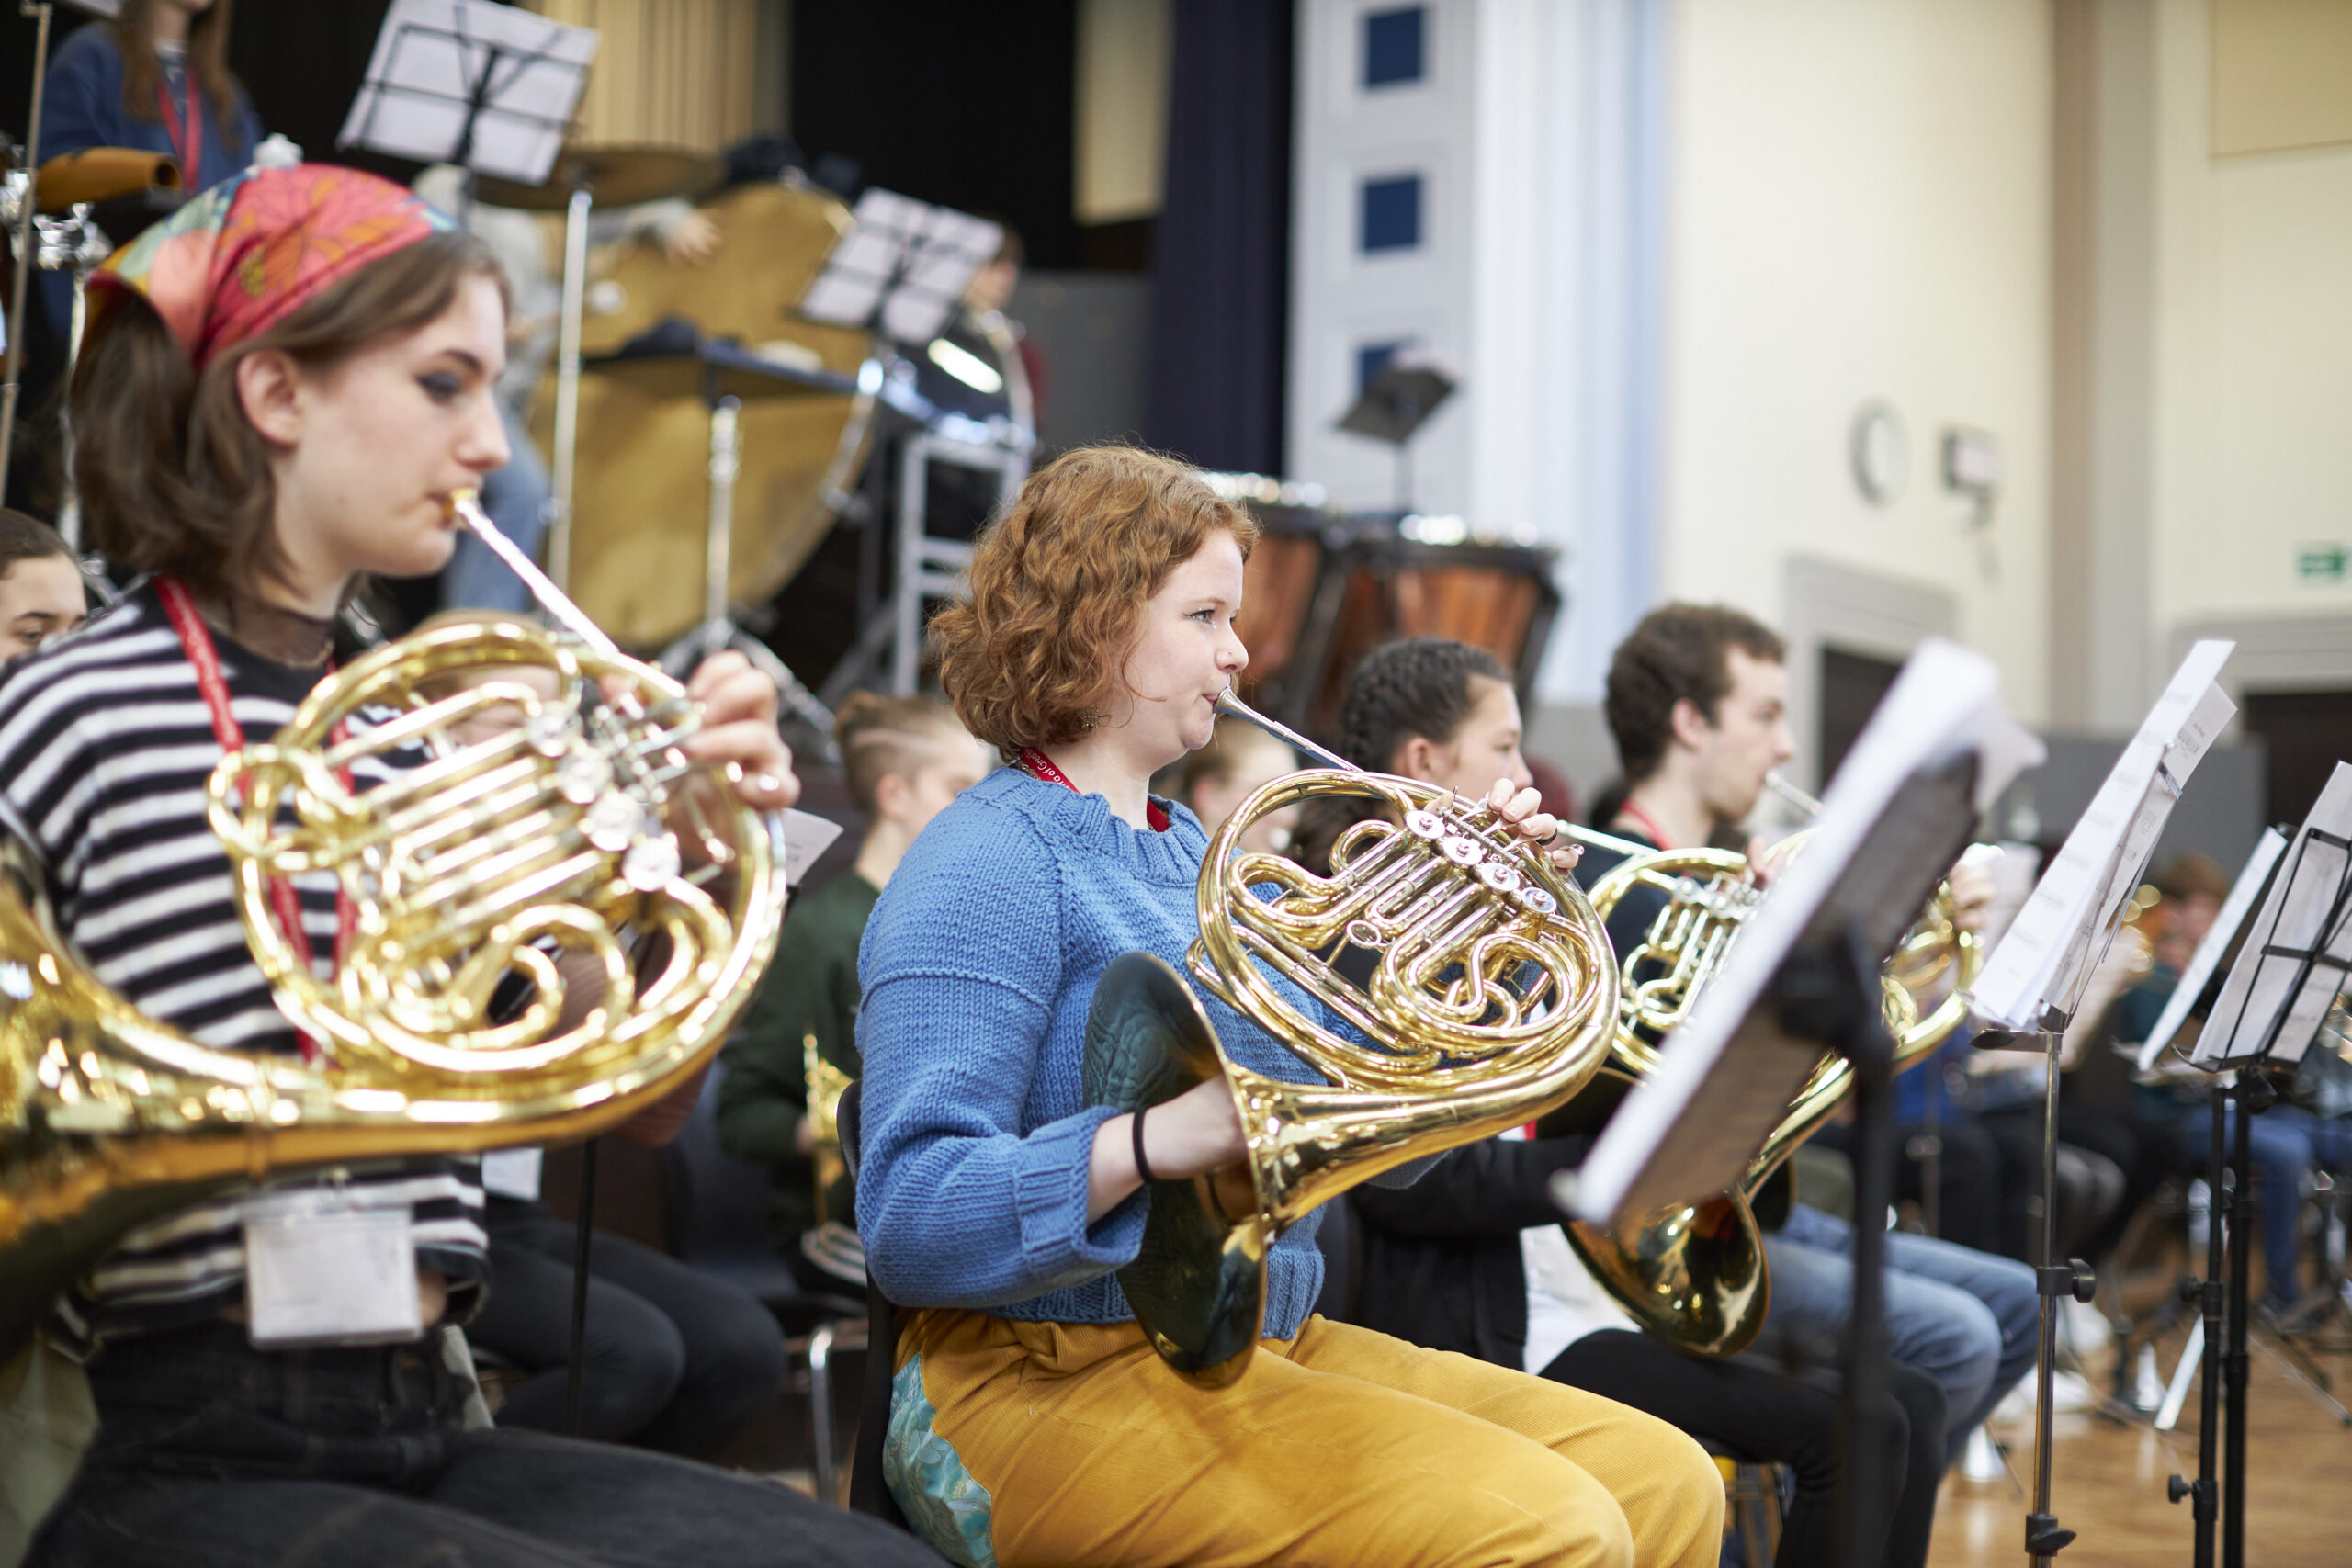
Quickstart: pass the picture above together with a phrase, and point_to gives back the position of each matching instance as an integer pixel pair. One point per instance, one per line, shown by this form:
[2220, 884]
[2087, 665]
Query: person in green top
[906, 759]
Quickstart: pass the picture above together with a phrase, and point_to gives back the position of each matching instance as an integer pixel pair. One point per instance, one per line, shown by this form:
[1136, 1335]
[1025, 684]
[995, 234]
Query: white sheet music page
[909, 258]
[2306, 911]
[430, 57]
[2218, 936]
[1944, 703]
[2048, 946]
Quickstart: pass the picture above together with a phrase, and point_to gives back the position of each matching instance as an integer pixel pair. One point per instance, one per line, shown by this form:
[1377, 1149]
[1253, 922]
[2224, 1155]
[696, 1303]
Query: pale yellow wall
[1859, 206]
[675, 72]
[2254, 355]
[1121, 111]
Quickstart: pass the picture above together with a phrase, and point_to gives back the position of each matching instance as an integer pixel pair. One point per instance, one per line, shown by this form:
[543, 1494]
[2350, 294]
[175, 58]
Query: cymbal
[615, 176]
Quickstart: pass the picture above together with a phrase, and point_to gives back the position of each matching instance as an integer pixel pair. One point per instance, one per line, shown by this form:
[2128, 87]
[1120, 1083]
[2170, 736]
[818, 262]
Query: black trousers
[1751, 1409]
[675, 1359]
[211, 1454]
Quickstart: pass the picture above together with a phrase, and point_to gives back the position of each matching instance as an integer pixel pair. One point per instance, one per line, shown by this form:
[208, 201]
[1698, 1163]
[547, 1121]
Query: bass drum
[641, 486]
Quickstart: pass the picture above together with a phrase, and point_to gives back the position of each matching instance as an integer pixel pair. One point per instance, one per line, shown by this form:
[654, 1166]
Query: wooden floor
[2108, 1483]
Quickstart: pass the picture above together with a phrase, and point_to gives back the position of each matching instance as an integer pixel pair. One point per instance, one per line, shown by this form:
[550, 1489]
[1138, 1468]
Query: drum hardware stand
[719, 629]
[17, 204]
[567, 378]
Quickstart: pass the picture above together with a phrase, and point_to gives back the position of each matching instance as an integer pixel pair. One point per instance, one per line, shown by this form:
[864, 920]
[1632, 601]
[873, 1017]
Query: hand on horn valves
[1523, 809]
[739, 709]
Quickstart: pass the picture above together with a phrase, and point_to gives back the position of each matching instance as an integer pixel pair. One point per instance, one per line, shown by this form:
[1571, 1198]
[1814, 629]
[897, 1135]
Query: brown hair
[207, 65]
[2190, 876]
[1059, 586]
[1230, 746]
[23, 537]
[880, 736]
[1679, 653]
[173, 480]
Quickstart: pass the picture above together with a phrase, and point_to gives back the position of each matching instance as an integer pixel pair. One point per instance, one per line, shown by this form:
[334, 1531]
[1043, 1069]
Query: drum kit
[663, 369]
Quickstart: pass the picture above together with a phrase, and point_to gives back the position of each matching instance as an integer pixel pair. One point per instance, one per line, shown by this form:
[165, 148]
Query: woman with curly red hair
[1030, 1421]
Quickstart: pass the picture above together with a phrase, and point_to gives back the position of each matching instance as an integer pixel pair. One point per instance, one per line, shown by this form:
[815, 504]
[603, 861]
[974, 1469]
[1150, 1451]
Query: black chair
[716, 1207]
[867, 1494]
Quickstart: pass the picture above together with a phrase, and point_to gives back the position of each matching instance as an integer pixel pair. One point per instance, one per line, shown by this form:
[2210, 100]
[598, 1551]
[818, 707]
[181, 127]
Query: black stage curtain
[968, 105]
[1221, 247]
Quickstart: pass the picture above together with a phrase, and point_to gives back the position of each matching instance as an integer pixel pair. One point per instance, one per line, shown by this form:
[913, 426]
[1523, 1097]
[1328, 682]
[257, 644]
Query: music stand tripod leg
[2043, 1537]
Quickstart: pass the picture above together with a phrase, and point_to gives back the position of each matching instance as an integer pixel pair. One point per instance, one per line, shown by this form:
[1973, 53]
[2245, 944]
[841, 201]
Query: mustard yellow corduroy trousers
[1340, 1447]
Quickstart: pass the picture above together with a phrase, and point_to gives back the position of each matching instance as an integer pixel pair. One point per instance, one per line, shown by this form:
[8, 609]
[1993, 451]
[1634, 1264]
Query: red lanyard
[1648, 824]
[196, 637]
[1040, 766]
[188, 137]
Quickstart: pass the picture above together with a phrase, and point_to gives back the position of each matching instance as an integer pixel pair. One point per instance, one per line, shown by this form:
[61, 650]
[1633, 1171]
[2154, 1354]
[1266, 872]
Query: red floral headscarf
[244, 255]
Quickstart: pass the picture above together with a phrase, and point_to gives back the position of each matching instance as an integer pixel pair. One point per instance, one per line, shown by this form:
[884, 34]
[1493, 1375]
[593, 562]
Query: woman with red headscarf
[285, 384]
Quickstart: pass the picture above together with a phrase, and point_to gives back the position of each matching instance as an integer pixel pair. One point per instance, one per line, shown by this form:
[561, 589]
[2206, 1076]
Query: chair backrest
[1341, 1247]
[718, 1204]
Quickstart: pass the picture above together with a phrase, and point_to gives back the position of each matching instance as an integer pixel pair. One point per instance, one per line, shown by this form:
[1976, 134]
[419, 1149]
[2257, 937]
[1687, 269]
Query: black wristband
[1143, 1166]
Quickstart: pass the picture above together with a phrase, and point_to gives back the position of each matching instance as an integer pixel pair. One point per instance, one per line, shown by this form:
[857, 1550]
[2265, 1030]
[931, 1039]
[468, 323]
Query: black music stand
[2296, 957]
[1805, 976]
[1395, 404]
[724, 375]
[2034, 984]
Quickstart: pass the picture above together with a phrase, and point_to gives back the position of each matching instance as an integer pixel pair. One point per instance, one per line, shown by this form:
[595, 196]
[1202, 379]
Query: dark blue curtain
[1221, 245]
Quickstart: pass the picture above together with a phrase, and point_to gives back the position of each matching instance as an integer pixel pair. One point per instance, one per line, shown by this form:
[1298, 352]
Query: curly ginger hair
[1058, 583]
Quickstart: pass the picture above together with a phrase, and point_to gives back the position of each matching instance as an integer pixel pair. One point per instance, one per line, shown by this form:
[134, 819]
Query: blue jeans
[516, 497]
[1965, 1318]
[2288, 1140]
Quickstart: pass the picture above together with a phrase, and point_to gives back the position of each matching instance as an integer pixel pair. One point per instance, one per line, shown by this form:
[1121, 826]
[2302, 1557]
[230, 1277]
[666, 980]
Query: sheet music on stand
[489, 87]
[2047, 952]
[903, 268]
[1933, 758]
[2299, 953]
[2199, 974]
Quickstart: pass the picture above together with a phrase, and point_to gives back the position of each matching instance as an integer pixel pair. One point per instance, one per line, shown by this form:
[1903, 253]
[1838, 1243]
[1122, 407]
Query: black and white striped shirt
[106, 746]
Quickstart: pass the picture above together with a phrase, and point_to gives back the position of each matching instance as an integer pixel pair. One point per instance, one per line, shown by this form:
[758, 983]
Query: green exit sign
[2324, 562]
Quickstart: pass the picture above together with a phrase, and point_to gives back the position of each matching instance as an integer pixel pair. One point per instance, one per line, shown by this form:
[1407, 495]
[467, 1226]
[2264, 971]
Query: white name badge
[320, 1270]
[512, 1173]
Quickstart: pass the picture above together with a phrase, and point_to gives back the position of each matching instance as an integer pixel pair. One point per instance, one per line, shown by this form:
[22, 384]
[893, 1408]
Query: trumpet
[1695, 1274]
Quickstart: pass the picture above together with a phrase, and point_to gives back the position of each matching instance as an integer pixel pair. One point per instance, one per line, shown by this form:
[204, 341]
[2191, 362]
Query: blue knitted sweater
[978, 967]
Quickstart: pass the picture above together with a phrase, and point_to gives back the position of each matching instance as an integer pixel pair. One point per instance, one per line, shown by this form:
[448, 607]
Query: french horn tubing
[1695, 1274]
[1490, 1001]
[555, 830]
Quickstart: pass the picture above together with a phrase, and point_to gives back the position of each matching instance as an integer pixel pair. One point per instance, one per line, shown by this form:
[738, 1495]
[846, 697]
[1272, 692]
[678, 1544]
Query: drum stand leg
[567, 384]
[719, 629]
[20, 192]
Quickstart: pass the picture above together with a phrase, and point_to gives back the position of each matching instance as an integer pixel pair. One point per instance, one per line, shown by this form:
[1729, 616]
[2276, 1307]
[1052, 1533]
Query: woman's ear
[270, 390]
[1418, 758]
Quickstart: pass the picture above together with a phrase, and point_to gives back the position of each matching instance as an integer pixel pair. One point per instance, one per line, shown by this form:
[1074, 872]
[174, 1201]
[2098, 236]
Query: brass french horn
[1695, 1274]
[566, 836]
[1490, 1001]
